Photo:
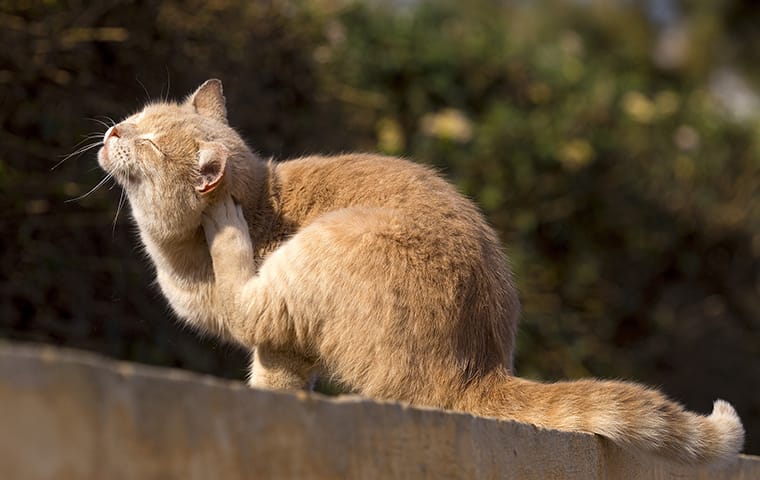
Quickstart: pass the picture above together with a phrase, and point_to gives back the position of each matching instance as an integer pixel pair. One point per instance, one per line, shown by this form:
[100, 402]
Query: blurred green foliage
[618, 155]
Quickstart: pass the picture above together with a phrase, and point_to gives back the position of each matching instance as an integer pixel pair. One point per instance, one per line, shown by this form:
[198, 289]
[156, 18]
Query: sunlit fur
[371, 270]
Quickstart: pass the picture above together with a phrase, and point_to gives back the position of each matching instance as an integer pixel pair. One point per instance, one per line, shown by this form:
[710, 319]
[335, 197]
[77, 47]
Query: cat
[371, 270]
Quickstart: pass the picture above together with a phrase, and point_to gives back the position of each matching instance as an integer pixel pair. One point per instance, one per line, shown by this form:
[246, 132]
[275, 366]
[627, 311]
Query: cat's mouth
[112, 156]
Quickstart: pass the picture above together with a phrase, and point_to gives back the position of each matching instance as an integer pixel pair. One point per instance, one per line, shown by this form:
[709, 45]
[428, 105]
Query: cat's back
[350, 202]
[315, 185]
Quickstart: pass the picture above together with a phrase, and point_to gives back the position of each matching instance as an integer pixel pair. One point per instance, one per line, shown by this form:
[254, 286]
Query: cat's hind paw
[223, 216]
[227, 235]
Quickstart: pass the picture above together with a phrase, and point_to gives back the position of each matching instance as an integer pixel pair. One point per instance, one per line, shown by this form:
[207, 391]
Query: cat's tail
[626, 413]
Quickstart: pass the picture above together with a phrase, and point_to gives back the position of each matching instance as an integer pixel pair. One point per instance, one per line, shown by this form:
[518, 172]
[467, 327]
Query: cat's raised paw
[225, 226]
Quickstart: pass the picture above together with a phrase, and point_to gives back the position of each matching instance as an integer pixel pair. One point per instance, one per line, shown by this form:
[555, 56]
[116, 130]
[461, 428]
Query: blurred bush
[615, 147]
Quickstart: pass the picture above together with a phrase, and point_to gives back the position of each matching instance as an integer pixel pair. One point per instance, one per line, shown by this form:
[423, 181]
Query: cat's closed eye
[150, 143]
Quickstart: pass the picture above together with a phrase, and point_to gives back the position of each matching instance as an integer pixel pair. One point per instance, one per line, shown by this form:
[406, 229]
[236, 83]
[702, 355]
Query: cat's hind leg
[280, 370]
[247, 300]
[229, 244]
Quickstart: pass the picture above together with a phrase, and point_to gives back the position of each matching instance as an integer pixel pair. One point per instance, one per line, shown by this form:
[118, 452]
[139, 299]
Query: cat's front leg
[231, 251]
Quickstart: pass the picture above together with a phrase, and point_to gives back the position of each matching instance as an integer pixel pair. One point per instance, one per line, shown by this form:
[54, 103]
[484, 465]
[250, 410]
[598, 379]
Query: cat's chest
[193, 301]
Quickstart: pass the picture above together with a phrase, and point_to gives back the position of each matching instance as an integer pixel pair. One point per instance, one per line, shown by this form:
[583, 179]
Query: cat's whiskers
[100, 183]
[90, 136]
[86, 138]
[122, 198]
[101, 122]
[147, 95]
[168, 85]
[79, 151]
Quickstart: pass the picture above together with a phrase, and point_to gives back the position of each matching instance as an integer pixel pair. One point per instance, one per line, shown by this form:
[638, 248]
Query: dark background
[614, 145]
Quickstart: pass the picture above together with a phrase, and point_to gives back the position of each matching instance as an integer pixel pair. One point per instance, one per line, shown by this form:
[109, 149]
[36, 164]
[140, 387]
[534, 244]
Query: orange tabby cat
[368, 269]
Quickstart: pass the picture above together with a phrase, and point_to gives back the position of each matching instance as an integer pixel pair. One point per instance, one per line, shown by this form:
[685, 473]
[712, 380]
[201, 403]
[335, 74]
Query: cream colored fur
[368, 269]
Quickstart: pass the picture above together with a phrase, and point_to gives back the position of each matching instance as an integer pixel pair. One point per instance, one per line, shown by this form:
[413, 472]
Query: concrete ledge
[72, 415]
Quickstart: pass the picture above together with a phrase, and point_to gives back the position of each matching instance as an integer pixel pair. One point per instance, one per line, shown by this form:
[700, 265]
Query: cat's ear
[212, 162]
[208, 100]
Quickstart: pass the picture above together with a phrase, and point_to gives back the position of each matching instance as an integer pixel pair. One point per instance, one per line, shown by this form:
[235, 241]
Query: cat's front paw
[228, 239]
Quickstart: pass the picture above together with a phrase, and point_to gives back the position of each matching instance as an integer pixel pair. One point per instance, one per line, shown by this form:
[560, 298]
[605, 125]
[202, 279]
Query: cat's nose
[111, 132]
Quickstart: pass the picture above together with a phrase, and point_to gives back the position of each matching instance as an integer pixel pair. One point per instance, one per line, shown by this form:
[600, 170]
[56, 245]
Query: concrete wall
[70, 415]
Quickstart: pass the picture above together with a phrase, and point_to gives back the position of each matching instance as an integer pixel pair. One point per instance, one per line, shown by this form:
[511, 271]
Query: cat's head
[170, 158]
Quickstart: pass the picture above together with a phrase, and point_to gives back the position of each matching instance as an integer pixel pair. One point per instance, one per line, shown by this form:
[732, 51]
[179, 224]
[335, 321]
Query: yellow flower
[576, 154]
[449, 124]
[390, 138]
[638, 107]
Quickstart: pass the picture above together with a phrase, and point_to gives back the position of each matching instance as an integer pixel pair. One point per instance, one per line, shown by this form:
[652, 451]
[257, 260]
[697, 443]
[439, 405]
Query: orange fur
[369, 269]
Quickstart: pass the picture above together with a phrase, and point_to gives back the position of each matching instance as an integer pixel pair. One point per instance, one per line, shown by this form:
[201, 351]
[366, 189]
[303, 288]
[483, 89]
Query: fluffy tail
[626, 413]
